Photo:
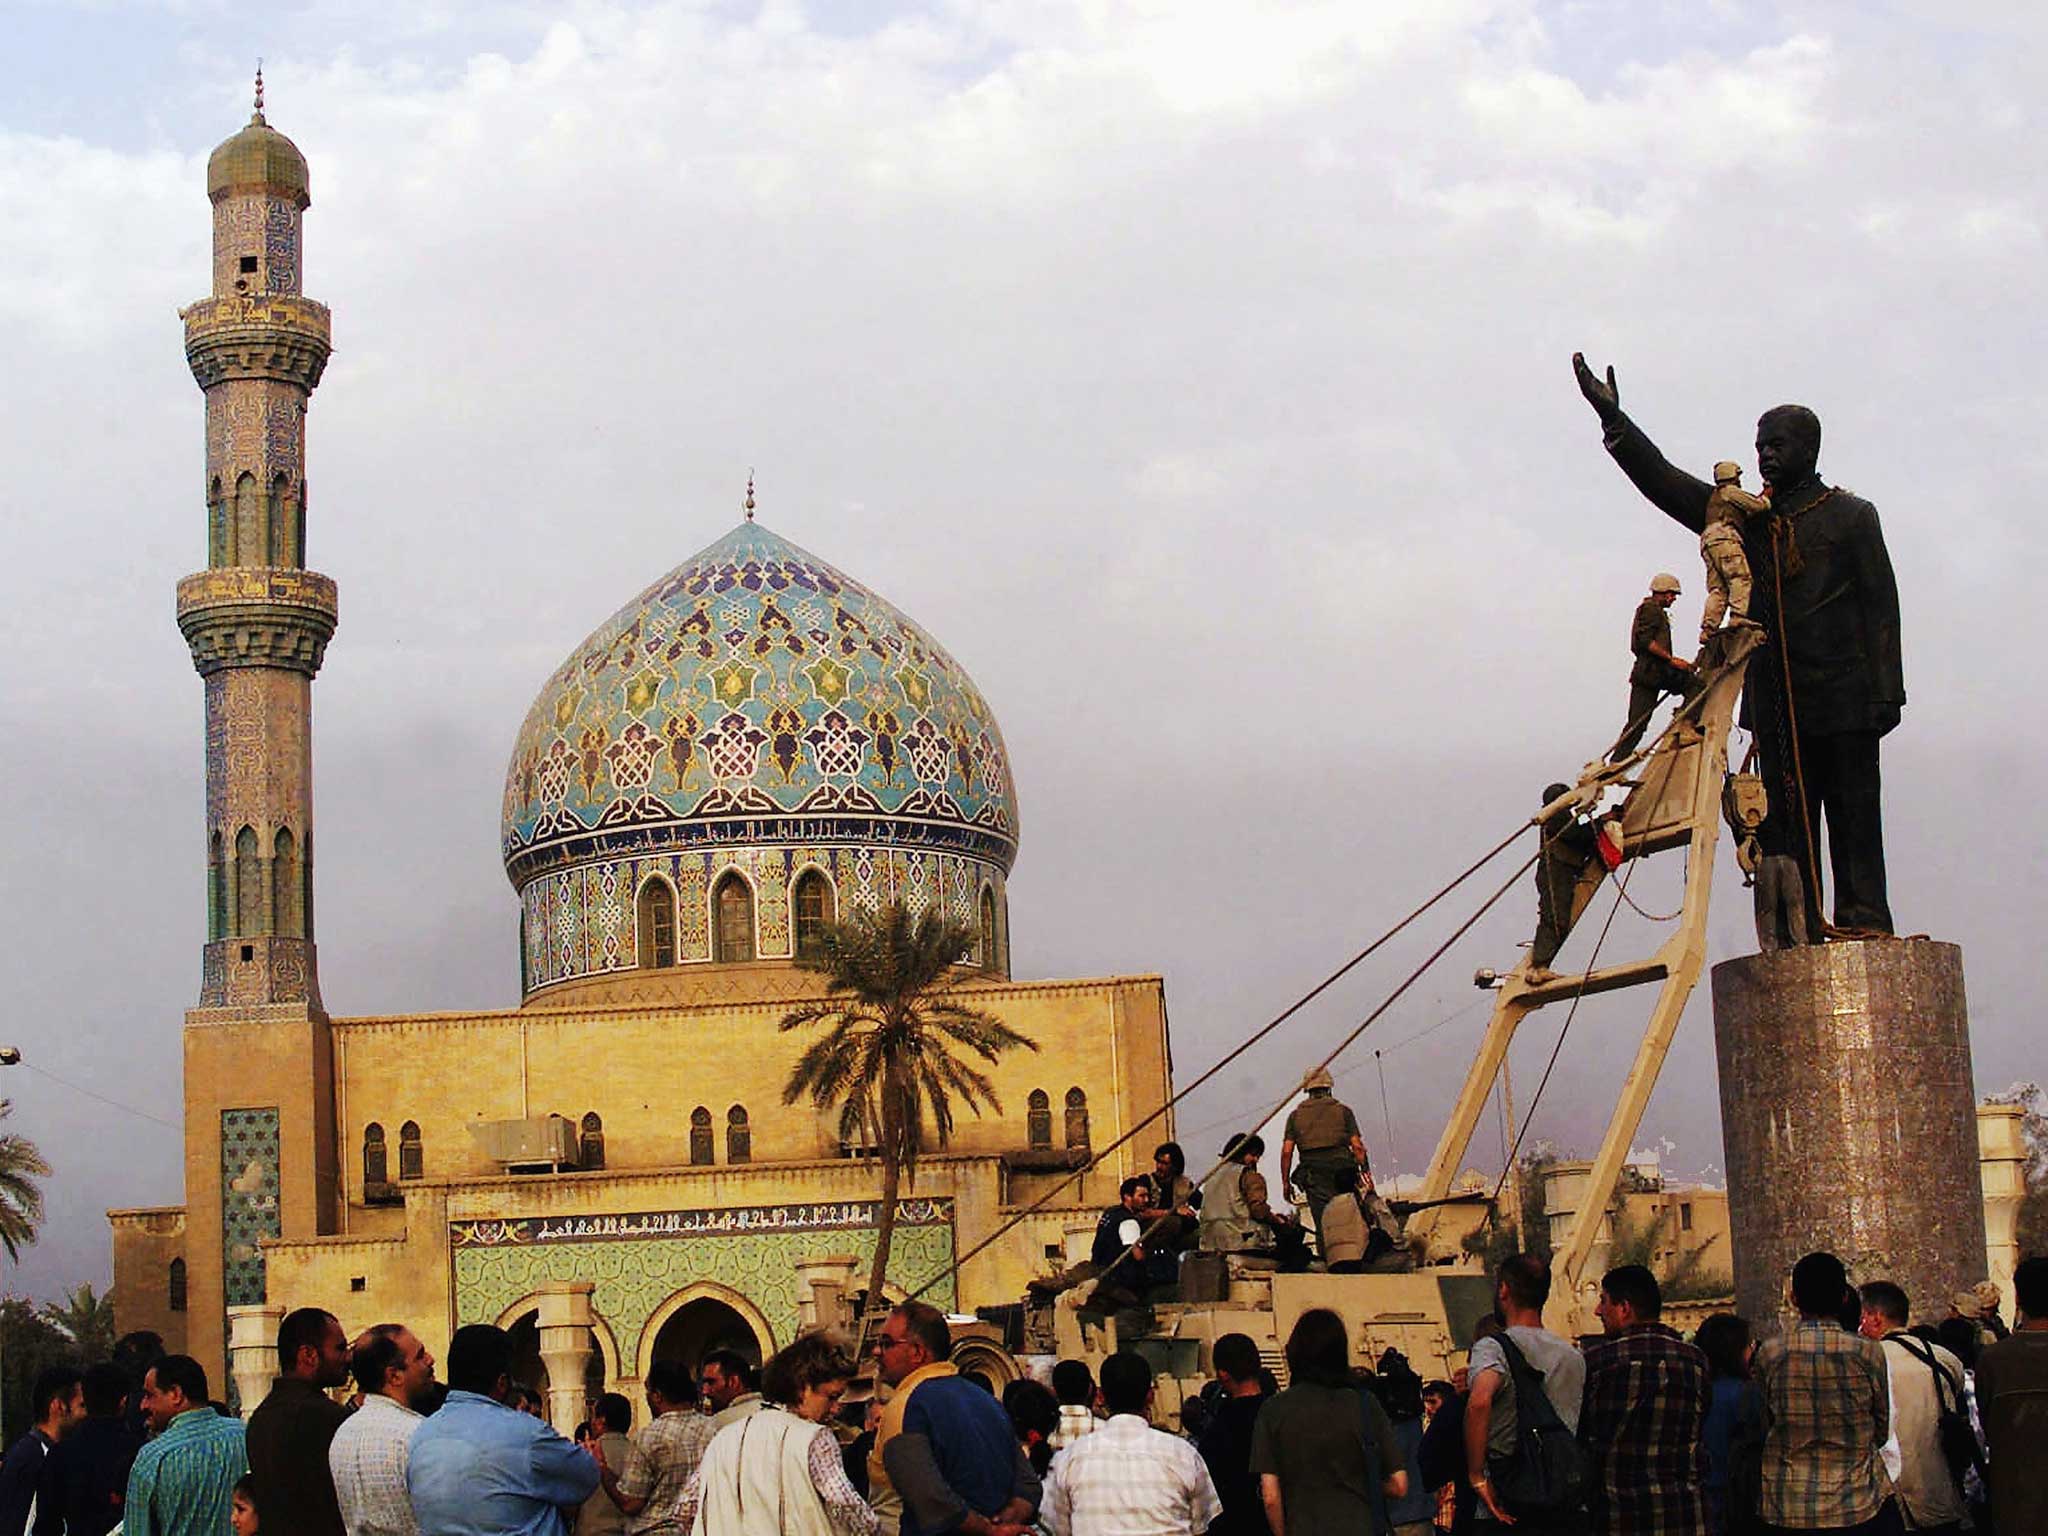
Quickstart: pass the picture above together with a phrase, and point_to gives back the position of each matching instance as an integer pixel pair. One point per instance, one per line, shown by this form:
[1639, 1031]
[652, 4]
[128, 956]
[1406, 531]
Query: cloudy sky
[1198, 373]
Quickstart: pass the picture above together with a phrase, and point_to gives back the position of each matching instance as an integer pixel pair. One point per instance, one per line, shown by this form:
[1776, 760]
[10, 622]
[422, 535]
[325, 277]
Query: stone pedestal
[252, 1353]
[1848, 1115]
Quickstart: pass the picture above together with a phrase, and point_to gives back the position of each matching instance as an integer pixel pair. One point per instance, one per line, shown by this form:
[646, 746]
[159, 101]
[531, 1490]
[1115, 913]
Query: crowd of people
[1848, 1420]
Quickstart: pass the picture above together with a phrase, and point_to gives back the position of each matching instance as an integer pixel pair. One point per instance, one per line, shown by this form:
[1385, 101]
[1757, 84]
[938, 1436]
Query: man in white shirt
[1127, 1478]
[370, 1449]
[1913, 1456]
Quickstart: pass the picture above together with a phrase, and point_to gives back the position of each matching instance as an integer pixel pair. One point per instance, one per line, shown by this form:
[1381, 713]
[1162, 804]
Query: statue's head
[1787, 444]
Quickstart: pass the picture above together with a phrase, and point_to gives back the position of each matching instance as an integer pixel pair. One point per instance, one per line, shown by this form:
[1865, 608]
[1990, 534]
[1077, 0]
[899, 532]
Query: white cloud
[1197, 373]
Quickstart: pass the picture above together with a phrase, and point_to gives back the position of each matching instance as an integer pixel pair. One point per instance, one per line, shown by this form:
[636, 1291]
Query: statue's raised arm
[1678, 494]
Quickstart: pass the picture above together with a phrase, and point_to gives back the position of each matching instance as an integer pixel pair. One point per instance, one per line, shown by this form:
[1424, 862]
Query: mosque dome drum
[755, 727]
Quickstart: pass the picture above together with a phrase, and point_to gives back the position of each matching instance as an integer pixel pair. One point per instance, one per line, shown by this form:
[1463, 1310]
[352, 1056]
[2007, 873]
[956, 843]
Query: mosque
[754, 745]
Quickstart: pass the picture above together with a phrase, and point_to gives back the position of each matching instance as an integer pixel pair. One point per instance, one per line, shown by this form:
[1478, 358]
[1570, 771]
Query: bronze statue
[1828, 683]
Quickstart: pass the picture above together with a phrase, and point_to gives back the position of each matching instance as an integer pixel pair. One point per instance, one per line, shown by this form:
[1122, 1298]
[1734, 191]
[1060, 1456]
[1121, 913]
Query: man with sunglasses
[945, 1447]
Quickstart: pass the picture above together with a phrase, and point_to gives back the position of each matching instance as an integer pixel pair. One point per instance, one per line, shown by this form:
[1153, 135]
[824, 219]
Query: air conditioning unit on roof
[540, 1141]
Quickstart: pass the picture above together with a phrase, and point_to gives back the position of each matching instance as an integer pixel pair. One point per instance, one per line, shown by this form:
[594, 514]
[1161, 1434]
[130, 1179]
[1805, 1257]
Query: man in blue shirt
[58, 1403]
[183, 1481]
[480, 1467]
[946, 1446]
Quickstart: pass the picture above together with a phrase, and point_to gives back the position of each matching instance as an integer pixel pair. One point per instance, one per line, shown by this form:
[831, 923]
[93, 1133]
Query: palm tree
[87, 1319]
[21, 1197]
[887, 1057]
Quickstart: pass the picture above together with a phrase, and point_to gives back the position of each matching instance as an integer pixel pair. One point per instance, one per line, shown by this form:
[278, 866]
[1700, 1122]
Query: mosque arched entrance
[700, 1325]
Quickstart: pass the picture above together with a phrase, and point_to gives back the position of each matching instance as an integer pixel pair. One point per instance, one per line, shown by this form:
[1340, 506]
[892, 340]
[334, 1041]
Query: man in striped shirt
[183, 1481]
[1827, 1415]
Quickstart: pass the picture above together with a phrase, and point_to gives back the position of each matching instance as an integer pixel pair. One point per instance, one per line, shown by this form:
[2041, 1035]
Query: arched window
[739, 1140]
[251, 530]
[280, 521]
[175, 1285]
[732, 907]
[248, 884]
[657, 923]
[375, 1169]
[986, 939]
[216, 889]
[1077, 1119]
[1038, 1119]
[284, 886]
[412, 1157]
[216, 527]
[700, 1137]
[590, 1144]
[814, 911]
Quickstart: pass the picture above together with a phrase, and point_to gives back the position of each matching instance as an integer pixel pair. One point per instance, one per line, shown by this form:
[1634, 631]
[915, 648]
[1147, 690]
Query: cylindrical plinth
[1848, 1115]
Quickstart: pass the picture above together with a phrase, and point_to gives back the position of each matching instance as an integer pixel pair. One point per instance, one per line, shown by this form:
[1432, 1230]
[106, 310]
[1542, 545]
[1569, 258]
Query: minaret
[256, 619]
[260, 1105]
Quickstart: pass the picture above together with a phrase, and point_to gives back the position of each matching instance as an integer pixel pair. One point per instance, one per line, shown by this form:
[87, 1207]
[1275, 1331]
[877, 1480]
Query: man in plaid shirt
[1127, 1478]
[1827, 1415]
[1647, 1394]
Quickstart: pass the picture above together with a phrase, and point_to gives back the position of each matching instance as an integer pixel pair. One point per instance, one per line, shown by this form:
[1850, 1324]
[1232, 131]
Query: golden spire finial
[259, 92]
[750, 496]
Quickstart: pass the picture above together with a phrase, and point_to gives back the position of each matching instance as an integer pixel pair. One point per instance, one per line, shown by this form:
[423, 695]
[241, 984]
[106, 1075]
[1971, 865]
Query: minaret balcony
[257, 617]
[259, 336]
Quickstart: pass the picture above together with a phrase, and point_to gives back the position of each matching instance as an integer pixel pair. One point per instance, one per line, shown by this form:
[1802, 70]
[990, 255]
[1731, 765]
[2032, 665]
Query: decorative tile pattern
[751, 691]
[249, 1212]
[637, 1261]
[581, 922]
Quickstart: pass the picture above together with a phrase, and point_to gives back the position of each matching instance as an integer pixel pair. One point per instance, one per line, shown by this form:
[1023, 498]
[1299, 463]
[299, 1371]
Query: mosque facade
[754, 747]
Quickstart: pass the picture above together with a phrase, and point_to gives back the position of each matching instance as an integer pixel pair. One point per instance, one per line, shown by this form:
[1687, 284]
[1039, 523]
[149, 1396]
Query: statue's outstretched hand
[1604, 398]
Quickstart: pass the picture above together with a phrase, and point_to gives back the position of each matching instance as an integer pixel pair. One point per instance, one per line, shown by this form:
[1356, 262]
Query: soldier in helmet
[1657, 671]
[1721, 549]
[1324, 1132]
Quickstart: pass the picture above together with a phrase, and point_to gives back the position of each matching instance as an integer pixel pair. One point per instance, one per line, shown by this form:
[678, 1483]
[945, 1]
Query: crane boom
[1674, 802]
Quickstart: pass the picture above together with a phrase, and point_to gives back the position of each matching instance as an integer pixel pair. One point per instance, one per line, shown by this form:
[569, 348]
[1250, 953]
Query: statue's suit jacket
[1840, 624]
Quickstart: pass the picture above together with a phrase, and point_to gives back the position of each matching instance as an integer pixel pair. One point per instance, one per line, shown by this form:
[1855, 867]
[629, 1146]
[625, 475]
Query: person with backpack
[1928, 1419]
[1643, 1425]
[1522, 1414]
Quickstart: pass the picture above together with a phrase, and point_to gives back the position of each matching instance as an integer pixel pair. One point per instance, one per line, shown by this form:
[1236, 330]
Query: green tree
[21, 1192]
[85, 1319]
[1501, 1236]
[28, 1342]
[891, 1057]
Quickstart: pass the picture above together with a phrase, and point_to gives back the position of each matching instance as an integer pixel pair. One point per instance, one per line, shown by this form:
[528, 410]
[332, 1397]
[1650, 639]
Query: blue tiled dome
[753, 696]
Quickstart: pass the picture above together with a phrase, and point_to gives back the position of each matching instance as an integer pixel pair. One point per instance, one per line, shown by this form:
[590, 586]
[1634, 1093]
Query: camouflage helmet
[1727, 472]
[1664, 581]
[1318, 1078]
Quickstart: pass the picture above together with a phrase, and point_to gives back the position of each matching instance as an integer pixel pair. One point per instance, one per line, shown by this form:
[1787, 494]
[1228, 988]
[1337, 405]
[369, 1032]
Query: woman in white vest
[780, 1470]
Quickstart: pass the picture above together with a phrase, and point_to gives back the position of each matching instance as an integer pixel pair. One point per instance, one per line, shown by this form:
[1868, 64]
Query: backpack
[1952, 1431]
[1545, 1473]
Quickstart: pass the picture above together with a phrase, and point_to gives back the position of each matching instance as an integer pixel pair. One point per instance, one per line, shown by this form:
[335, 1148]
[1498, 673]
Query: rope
[1687, 707]
[1287, 1098]
[1621, 895]
[1810, 885]
[1095, 1159]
